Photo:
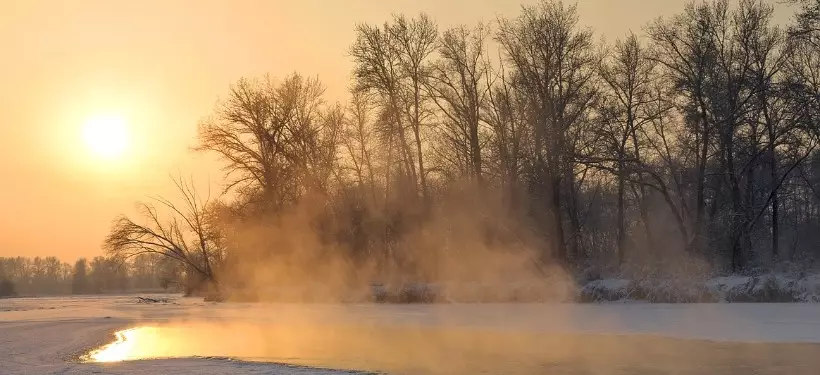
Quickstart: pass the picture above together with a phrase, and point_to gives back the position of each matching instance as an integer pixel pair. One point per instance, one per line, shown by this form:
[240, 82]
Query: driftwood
[151, 300]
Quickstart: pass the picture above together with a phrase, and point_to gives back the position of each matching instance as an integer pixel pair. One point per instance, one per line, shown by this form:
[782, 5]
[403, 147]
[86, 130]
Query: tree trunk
[736, 224]
[575, 249]
[407, 157]
[701, 179]
[417, 134]
[773, 185]
[556, 226]
[475, 151]
[775, 203]
[621, 219]
[647, 225]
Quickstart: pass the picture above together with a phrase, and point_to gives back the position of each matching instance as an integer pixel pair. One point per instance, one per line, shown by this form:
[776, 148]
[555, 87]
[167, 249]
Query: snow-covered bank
[773, 287]
[762, 288]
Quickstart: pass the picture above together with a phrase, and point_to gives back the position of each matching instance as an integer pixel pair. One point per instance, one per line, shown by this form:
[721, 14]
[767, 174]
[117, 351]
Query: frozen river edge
[40, 336]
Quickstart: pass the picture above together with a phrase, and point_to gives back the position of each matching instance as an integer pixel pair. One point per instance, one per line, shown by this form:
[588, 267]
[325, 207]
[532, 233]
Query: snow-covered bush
[760, 288]
[670, 291]
[604, 290]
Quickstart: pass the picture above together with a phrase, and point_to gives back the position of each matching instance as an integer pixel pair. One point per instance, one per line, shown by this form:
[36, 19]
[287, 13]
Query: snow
[48, 335]
[771, 287]
[606, 289]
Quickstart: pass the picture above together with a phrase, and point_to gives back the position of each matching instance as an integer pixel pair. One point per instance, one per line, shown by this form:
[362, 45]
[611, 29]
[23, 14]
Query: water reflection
[439, 350]
[200, 339]
[129, 344]
[182, 340]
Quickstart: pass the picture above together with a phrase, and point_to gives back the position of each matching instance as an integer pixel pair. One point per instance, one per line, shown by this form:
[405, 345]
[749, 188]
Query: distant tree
[18, 270]
[53, 277]
[79, 277]
[167, 272]
[6, 288]
[99, 275]
[143, 270]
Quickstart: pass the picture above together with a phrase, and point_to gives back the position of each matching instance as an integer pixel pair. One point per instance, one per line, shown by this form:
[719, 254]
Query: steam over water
[407, 349]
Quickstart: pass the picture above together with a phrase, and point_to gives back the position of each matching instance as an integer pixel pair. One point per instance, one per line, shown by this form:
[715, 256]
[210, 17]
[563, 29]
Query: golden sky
[162, 65]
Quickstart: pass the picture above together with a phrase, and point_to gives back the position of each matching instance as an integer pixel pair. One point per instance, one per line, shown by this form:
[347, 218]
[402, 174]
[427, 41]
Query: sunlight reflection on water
[186, 340]
[179, 341]
[443, 351]
[130, 344]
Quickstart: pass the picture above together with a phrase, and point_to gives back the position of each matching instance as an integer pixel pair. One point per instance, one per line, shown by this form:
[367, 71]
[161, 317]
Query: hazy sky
[162, 65]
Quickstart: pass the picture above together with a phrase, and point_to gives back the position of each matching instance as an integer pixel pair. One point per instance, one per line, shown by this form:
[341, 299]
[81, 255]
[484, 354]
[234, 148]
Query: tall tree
[79, 278]
[508, 113]
[415, 40]
[460, 88]
[554, 59]
[629, 75]
[378, 71]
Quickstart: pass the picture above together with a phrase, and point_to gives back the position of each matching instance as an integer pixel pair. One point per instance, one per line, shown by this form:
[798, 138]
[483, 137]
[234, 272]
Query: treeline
[496, 150]
[49, 276]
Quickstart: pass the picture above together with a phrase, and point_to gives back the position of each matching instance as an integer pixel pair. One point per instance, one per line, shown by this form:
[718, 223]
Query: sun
[106, 136]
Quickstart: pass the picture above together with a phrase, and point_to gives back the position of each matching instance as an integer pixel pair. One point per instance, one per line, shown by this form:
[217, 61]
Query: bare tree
[629, 75]
[460, 89]
[698, 140]
[706, 52]
[415, 40]
[769, 54]
[378, 70]
[554, 60]
[807, 22]
[802, 84]
[685, 49]
[277, 140]
[508, 113]
[359, 140]
[186, 233]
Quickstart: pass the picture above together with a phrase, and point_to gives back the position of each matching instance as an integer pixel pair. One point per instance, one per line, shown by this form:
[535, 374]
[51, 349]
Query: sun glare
[117, 351]
[106, 136]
